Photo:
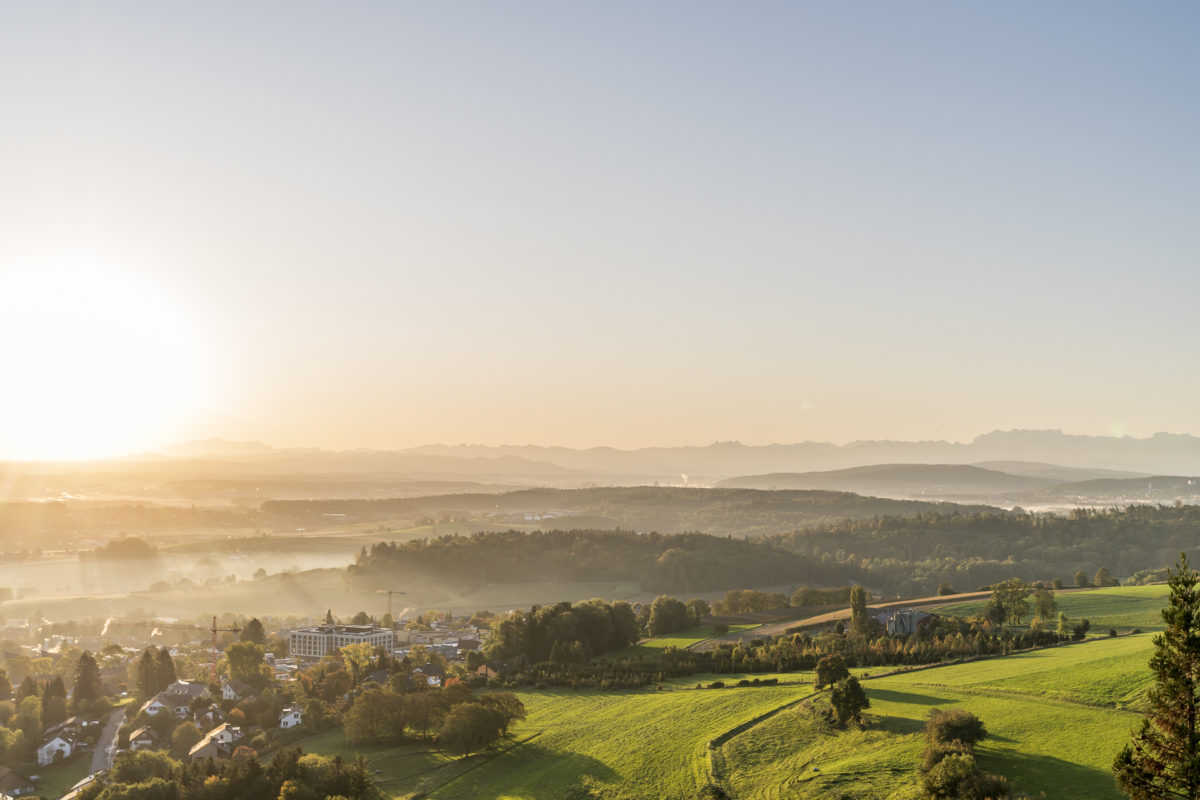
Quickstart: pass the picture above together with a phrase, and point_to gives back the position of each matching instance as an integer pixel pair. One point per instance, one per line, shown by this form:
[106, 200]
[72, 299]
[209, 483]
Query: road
[779, 628]
[106, 745]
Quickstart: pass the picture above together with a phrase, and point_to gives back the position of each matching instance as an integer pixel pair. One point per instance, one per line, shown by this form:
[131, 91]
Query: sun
[96, 363]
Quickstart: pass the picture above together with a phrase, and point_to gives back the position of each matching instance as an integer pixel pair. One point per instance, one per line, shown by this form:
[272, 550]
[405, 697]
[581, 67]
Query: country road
[779, 628]
[102, 756]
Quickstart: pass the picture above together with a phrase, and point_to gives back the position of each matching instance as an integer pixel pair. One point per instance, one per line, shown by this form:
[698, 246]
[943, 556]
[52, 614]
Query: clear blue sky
[394, 223]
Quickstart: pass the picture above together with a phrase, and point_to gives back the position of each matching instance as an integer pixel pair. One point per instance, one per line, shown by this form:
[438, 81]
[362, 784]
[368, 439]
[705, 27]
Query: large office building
[316, 642]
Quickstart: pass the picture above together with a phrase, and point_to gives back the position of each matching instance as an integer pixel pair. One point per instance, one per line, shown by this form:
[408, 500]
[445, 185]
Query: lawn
[1120, 607]
[55, 780]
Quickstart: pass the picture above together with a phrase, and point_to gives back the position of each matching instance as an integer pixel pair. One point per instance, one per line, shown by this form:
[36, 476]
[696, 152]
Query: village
[216, 692]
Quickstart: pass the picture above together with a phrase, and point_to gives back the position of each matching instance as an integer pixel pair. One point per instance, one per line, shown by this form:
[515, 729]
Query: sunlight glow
[96, 364]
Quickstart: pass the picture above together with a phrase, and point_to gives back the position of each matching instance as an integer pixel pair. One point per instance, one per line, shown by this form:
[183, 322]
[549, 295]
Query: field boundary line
[715, 744]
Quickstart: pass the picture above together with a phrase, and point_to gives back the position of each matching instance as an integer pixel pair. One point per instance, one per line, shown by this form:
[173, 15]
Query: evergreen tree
[54, 688]
[28, 688]
[88, 685]
[1163, 760]
[6, 690]
[147, 675]
[164, 669]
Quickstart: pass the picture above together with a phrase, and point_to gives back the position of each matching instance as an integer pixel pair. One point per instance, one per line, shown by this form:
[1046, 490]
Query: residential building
[57, 747]
[291, 717]
[13, 783]
[904, 621]
[143, 738]
[234, 690]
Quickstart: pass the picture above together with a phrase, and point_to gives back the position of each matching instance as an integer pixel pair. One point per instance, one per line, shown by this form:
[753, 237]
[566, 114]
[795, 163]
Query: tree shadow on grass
[910, 698]
[531, 772]
[901, 726]
[1047, 776]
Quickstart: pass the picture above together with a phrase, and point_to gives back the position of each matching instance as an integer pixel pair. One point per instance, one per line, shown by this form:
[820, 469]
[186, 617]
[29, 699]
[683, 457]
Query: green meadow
[624, 745]
[1120, 607]
[681, 640]
[1056, 718]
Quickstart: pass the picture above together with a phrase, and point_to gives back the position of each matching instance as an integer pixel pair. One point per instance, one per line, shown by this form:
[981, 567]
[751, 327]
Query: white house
[58, 747]
[291, 717]
[225, 734]
[154, 705]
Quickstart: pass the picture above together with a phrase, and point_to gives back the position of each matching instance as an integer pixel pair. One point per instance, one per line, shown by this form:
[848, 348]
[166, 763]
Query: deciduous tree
[848, 700]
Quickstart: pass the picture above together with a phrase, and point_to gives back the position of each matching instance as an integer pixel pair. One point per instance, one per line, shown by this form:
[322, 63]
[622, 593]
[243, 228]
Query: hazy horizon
[626, 225]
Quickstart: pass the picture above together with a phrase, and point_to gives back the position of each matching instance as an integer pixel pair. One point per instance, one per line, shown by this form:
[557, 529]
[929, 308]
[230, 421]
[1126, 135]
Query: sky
[621, 223]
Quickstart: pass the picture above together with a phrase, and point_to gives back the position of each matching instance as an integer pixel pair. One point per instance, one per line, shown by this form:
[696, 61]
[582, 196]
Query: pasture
[1120, 607]
[681, 640]
[1056, 718]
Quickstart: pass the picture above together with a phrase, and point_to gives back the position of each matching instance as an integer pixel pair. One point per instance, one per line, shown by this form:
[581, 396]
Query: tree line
[289, 775]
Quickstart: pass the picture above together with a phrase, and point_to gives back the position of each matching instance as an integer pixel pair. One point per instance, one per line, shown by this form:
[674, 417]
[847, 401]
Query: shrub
[717, 685]
[954, 725]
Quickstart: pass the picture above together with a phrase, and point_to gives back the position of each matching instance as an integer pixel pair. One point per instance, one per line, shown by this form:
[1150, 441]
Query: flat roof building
[316, 642]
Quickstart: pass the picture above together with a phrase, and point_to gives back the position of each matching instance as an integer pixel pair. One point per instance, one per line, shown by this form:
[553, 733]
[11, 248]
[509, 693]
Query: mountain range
[1002, 467]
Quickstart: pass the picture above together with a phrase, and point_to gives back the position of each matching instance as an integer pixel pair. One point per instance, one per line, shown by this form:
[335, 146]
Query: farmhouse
[904, 621]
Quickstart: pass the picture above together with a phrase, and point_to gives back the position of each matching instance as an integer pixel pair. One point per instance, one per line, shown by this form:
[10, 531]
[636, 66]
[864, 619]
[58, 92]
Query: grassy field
[623, 745]
[681, 640]
[1120, 607]
[1055, 719]
[398, 768]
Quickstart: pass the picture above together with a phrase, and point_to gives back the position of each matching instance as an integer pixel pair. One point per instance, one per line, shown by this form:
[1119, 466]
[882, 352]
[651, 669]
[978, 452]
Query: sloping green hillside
[1120, 607]
[1055, 719]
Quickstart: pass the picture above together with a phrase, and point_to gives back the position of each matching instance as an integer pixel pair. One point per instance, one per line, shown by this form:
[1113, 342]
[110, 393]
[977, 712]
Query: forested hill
[911, 556]
[892, 555]
[726, 512]
[680, 564]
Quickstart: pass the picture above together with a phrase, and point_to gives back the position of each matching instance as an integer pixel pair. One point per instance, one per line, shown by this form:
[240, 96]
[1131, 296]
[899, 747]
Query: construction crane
[175, 626]
[389, 593]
